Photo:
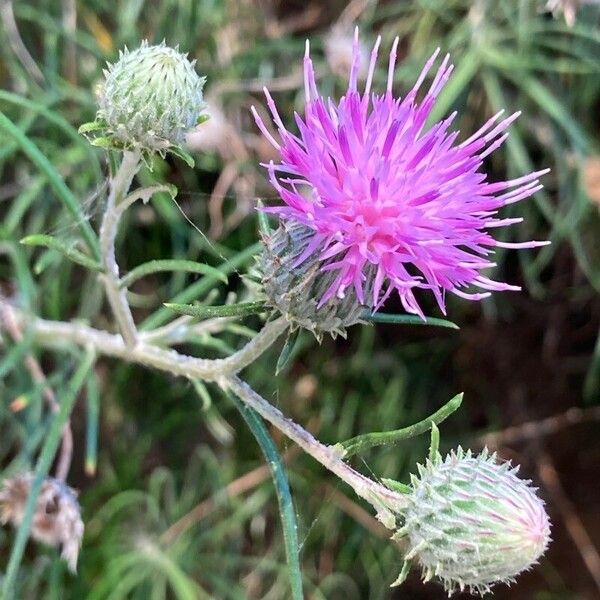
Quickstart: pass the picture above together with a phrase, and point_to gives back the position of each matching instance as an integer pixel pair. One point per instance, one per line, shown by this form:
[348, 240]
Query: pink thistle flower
[393, 206]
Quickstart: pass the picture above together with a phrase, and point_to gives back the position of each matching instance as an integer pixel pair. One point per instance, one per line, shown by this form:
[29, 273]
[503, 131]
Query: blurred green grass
[162, 448]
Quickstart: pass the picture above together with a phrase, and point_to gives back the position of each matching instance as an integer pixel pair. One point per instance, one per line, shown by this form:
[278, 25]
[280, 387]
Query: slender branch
[52, 333]
[181, 329]
[117, 298]
[57, 333]
[385, 501]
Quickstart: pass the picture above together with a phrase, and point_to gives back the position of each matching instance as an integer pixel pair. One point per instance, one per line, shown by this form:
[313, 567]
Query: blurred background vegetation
[175, 499]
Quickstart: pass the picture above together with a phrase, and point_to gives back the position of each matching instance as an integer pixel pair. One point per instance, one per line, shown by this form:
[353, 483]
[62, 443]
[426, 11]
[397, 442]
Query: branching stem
[384, 500]
[57, 333]
[224, 372]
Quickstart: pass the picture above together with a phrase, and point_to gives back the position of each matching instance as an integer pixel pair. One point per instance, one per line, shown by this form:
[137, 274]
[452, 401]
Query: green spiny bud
[294, 284]
[150, 98]
[472, 522]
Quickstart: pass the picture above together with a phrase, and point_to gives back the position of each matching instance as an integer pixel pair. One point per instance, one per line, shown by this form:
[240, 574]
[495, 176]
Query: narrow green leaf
[58, 185]
[227, 310]
[284, 496]
[197, 289]
[384, 438]
[157, 266]
[41, 471]
[65, 249]
[403, 319]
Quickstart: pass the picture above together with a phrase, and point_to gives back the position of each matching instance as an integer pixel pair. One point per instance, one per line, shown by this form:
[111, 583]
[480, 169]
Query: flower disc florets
[472, 522]
[150, 98]
[392, 205]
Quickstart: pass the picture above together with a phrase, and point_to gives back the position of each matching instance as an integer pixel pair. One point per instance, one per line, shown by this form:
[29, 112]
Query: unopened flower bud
[471, 522]
[151, 97]
[57, 517]
[296, 283]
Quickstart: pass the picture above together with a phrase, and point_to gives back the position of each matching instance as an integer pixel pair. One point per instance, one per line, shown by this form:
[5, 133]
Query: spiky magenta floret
[380, 189]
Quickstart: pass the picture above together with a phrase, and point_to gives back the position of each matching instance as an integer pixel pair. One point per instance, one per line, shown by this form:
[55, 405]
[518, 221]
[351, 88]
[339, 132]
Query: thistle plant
[373, 202]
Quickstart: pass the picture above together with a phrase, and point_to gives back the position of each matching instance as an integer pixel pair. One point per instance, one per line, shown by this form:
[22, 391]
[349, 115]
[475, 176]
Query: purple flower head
[394, 206]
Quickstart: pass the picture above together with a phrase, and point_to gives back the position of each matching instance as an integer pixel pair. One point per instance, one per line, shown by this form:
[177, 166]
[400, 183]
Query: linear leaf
[157, 266]
[197, 289]
[65, 249]
[210, 312]
[404, 319]
[384, 438]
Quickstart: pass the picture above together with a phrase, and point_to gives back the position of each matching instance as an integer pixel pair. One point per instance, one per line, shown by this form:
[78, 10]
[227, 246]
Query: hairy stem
[56, 333]
[223, 371]
[385, 501]
[117, 298]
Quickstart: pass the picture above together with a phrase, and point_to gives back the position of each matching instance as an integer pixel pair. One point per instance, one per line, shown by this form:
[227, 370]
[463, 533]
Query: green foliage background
[158, 446]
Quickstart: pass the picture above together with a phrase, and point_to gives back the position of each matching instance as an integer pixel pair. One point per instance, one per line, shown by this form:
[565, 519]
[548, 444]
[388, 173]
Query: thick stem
[117, 298]
[385, 501]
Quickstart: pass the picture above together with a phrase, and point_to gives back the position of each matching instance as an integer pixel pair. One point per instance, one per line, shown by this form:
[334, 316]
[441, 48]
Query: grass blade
[92, 414]
[41, 471]
[284, 496]
[58, 185]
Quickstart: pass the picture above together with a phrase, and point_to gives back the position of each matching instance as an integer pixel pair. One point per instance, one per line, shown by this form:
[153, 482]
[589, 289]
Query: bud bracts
[151, 97]
[295, 285]
[472, 522]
